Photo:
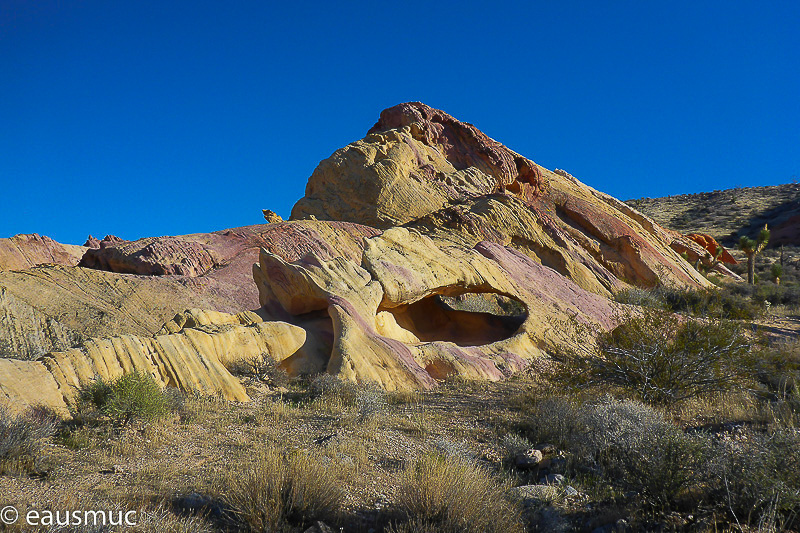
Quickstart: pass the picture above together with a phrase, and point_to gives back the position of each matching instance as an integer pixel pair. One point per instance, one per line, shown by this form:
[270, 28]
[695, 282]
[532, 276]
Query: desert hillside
[728, 214]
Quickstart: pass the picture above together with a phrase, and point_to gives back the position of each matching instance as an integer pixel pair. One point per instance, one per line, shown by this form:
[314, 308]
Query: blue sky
[162, 118]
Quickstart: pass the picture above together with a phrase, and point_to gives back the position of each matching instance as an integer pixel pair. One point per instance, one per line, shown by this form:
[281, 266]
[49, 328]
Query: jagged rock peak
[463, 145]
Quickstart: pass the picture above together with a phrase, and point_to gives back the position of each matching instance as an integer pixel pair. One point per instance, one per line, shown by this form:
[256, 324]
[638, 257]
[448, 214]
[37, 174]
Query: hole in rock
[469, 319]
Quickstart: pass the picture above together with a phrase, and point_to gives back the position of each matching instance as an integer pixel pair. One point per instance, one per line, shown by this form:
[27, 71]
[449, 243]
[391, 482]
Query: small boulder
[552, 479]
[534, 494]
[271, 216]
[529, 459]
[319, 527]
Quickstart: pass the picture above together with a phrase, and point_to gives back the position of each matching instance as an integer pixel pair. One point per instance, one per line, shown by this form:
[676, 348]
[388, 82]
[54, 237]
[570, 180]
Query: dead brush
[21, 438]
[262, 368]
[275, 491]
[451, 495]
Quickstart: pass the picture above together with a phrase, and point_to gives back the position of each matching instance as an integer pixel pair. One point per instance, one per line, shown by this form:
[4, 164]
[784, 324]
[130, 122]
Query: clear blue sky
[143, 118]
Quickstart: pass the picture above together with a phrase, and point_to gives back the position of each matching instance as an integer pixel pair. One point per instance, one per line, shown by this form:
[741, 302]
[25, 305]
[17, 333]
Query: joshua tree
[752, 248]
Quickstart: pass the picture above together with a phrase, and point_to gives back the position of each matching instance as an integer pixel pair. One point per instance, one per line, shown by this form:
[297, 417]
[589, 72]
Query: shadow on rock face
[470, 319]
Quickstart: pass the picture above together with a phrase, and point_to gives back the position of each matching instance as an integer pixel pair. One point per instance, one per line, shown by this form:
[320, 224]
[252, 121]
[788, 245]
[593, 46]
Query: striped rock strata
[193, 353]
[446, 254]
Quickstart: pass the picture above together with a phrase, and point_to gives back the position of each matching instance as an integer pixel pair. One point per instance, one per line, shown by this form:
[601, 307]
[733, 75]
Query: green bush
[131, 396]
[662, 358]
[277, 491]
[450, 495]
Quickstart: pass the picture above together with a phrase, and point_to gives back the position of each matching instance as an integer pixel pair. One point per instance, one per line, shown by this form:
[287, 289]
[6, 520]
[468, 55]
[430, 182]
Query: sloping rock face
[29, 250]
[193, 353]
[389, 325]
[421, 167]
[54, 307]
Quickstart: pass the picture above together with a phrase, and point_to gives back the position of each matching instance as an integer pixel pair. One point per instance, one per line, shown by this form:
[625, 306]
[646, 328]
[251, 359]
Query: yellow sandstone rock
[193, 358]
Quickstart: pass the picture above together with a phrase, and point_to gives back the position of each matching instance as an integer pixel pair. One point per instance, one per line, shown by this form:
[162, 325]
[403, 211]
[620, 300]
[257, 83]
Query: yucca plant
[751, 248]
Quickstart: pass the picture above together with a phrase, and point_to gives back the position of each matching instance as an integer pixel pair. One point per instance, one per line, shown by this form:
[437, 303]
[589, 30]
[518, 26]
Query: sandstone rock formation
[25, 251]
[193, 353]
[418, 162]
[711, 245]
[701, 249]
[271, 216]
[389, 327]
[425, 250]
[53, 308]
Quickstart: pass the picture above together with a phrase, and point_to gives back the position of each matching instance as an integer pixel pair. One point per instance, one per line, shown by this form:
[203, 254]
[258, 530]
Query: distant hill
[730, 213]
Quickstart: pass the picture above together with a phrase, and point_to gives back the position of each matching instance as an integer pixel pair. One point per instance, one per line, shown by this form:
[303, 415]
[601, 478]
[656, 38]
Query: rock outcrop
[153, 256]
[54, 307]
[711, 246]
[193, 354]
[425, 250]
[390, 326]
[271, 216]
[29, 250]
[421, 167]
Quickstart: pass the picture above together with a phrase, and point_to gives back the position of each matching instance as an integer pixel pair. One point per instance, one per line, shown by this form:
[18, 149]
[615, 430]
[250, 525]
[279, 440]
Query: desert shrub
[634, 446]
[447, 495]
[21, 438]
[514, 445]
[367, 399]
[660, 358]
[625, 443]
[131, 396]
[262, 368]
[756, 477]
[370, 402]
[328, 385]
[728, 302]
[640, 297]
[276, 491]
[777, 369]
[777, 294]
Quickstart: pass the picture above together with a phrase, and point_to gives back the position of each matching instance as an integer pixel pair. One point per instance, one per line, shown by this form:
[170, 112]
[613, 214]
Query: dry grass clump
[277, 491]
[451, 495]
[21, 438]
